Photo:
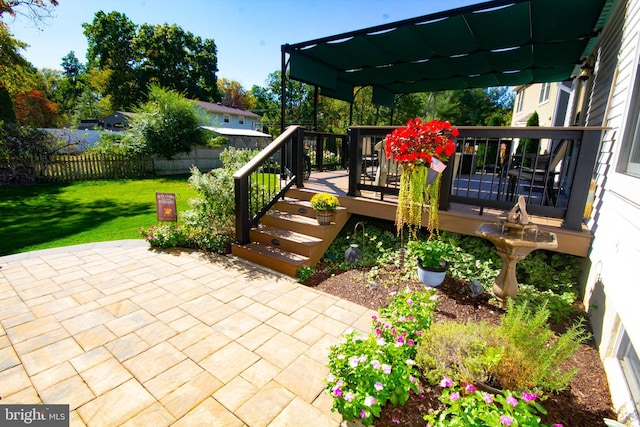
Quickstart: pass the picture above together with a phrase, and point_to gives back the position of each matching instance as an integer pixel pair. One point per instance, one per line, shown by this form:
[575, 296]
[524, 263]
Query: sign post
[166, 207]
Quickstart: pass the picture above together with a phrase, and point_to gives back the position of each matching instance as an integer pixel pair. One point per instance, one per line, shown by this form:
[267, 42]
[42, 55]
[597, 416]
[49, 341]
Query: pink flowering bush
[367, 372]
[163, 235]
[467, 407]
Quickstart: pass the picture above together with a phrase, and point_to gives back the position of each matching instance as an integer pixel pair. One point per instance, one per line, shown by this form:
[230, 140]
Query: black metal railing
[492, 166]
[327, 151]
[266, 178]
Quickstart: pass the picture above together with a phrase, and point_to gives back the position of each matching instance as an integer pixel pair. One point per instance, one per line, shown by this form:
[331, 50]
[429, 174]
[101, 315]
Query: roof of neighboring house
[236, 132]
[223, 109]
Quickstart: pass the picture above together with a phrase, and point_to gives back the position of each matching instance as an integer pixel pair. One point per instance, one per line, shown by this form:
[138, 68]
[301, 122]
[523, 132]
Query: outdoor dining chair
[541, 175]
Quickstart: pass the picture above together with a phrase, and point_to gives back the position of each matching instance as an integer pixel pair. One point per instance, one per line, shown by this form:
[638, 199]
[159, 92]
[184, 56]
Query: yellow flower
[324, 202]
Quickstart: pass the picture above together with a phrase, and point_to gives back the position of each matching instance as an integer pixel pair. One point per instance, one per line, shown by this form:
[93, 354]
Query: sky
[247, 33]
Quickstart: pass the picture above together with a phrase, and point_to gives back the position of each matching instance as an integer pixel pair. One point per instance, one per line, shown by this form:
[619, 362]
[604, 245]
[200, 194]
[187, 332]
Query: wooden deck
[462, 219]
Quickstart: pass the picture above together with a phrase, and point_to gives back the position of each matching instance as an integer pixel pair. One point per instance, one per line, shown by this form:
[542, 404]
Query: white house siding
[612, 293]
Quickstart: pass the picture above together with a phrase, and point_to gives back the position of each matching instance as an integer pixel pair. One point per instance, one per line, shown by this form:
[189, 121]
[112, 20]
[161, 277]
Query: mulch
[584, 404]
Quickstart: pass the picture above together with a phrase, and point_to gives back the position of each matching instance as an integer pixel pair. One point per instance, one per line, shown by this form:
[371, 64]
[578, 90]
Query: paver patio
[130, 336]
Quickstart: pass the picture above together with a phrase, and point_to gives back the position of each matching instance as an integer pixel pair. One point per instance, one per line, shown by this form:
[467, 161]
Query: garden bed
[585, 403]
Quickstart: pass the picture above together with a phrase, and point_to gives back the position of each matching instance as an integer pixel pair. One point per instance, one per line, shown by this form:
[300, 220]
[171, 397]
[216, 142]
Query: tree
[178, 60]
[166, 125]
[110, 40]
[33, 109]
[36, 10]
[234, 95]
[7, 112]
[16, 73]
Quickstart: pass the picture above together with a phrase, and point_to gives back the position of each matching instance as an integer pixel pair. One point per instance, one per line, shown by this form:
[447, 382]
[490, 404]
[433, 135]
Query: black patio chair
[542, 175]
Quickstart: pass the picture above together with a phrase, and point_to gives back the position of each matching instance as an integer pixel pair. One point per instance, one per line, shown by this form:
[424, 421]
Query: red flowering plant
[419, 147]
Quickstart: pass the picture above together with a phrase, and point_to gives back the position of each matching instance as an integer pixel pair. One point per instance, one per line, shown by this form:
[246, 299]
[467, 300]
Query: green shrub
[217, 141]
[465, 352]
[166, 125]
[522, 353]
[534, 355]
[210, 223]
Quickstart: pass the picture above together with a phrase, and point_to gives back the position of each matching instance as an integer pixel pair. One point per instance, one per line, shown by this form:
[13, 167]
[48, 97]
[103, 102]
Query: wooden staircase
[289, 236]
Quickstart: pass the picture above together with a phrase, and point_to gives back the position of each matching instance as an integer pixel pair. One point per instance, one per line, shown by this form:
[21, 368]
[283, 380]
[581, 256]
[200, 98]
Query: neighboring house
[230, 117]
[550, 100]
[612, 293]
[117, 121]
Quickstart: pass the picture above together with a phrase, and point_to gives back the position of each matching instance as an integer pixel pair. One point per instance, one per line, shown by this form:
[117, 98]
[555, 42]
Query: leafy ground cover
[54, 215]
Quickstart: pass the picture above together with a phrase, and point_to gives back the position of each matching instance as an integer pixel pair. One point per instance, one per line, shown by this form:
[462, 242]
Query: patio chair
[543, 174]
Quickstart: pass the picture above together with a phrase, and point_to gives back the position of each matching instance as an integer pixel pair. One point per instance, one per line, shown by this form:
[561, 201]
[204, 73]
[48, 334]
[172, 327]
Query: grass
[49, 216]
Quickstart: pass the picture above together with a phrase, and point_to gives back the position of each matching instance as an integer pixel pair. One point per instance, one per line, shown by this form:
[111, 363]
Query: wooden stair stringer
[290, 237]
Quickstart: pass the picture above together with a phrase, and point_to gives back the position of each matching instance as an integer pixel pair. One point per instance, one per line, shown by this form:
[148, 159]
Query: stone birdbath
[514, 239]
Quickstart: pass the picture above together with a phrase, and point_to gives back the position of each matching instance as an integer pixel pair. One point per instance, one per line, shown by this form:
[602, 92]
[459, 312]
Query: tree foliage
[137, 56]
[167, 124]
[176, 59]
[234, 95]
[110, 47]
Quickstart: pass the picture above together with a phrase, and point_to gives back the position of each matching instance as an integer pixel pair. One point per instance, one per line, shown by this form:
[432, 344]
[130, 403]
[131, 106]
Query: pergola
[495, 43]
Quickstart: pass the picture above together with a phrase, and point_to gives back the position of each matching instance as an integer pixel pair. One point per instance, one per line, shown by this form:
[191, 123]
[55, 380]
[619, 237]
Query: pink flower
[376, 364]
[512, 401]
[506, 420]
[378, 386]
[557, 425]
[337, 392]
[386, 369]
[454, 396]
[409, 301]
[349, 396]
[363, 413]
[528, 397]
[446, 382]
[418, 333]
[470, 388]
[487, 398]
[395, 420]
[368, 401]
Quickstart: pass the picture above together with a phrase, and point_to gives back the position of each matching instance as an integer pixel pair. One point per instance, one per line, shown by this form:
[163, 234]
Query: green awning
[496, 43]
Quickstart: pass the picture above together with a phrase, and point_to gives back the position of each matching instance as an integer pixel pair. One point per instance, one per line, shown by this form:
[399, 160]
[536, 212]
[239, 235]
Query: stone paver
[133, 337]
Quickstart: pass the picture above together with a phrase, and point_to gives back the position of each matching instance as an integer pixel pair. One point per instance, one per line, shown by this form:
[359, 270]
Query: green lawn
[48, 216]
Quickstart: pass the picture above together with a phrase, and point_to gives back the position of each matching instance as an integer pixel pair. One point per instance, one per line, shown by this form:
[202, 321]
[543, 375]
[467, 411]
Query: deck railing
[551, 167]
[327, 151]
[265, 179]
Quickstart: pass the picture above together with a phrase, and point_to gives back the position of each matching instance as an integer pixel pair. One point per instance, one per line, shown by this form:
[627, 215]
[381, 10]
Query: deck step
[277, 259]
[288, 240]
[290, 237]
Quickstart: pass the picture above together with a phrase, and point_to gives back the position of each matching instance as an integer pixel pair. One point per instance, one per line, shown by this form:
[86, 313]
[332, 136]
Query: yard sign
[166, 207]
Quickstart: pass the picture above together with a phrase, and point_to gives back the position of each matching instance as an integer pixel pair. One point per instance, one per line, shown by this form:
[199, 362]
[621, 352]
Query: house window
[241, 120]
[630, 364]
[544, 92]
[630, 152]
[226, 118]
[519, 100]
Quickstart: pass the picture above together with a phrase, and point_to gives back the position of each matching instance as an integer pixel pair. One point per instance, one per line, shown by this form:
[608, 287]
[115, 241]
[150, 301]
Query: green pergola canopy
[496, 43]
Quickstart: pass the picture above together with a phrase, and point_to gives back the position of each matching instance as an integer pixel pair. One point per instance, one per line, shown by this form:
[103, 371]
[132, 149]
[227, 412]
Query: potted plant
[324, 204]
[421, 149]
[432, 260]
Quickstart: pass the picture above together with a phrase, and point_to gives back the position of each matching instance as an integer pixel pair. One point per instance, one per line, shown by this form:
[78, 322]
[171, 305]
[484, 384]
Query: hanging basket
[324, 217]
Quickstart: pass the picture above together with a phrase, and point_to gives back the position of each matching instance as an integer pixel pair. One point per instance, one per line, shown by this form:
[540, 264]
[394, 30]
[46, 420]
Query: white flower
[353, 361]
[410, 362]
[331, 378]
[386, 369]
[368, 401]
[381, 342]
